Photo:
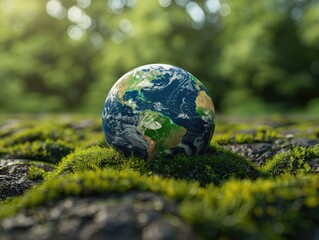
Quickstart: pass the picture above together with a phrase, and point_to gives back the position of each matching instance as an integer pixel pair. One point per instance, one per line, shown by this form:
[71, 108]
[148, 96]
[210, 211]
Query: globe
[158, 110]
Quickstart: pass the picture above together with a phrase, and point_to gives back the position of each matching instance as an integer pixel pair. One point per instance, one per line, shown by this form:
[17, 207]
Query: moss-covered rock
[47, 150]
[16, 176]
[47, 140]
[287, 207]
[215, 166]
[256, 135]
[257, 180]
[40, 133]
[296, 160]
[36, 173]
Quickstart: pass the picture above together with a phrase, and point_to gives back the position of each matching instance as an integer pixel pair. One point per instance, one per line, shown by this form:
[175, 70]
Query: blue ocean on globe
[158, 110]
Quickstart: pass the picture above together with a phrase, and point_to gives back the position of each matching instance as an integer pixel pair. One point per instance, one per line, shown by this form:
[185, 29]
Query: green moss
[90, 183]
[292, 162]
[315, 133]
[259, 134]
[215, 166]
[47, 151]
[36, 173]
[94, 158]
[287, 207]
[48, 141]
[220, 193]
[40, 133]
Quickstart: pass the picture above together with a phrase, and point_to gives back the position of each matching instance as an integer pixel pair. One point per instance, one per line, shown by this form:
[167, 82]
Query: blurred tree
[253, 56]
[269, 55]
[41, 68]
[143, 32]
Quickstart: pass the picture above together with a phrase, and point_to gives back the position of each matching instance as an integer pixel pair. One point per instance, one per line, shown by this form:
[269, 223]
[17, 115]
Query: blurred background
[254, 57]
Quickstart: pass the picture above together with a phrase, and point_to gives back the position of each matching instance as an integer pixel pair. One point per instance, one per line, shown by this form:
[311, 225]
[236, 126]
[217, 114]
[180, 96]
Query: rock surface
[14, 176]
[132, 215]
[259, 153]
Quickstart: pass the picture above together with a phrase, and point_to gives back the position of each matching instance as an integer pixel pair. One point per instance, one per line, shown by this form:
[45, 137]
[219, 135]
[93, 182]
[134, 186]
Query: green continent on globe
[160, 132]
[135, 80]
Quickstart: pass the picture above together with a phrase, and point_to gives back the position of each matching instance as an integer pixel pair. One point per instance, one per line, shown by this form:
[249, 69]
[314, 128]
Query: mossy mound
[284, 208]
[39, 133]
[215, 166]
[47, 150]
[257, 135]
[296, 160]
[47, 141]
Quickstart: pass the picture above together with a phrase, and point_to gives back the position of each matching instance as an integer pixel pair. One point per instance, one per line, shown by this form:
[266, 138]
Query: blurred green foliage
[253, 56]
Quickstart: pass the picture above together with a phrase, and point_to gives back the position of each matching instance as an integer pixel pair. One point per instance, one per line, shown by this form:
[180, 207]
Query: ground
[258, 179]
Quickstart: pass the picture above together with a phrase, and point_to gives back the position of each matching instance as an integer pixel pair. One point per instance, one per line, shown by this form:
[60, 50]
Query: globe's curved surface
[158, 110]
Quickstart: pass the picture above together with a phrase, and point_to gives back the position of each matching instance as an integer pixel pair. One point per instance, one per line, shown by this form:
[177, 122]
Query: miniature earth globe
[158, 110]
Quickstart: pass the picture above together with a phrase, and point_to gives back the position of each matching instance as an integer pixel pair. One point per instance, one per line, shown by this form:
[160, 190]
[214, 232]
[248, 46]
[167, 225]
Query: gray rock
[11, 186]
[258, 153]
[306, 142]
[14, 176]
[131, 215]
[314, 164]
[159, 229]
